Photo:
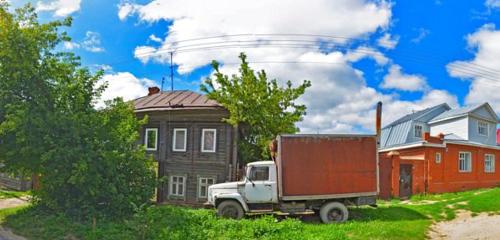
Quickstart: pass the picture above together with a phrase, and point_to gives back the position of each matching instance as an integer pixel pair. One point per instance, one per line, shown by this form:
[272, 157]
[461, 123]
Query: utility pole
[172, 71]
[162, 81]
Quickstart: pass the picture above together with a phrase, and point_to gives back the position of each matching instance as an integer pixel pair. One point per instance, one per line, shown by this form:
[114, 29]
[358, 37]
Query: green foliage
[259, 107]
[88, 159]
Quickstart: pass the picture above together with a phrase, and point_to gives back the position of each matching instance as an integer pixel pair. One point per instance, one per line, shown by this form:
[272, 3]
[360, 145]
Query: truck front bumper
[207, 205]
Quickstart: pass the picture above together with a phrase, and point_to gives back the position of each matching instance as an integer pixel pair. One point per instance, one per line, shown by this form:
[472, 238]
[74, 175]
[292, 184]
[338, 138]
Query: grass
[391, 220]
[4, 194]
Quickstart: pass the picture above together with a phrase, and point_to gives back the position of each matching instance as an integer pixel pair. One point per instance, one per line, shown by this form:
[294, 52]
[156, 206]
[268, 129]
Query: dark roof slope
[179, 99]
[416, 115]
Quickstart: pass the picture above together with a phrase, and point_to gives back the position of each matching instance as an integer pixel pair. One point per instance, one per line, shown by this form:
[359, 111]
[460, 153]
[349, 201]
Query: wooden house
[193, 146]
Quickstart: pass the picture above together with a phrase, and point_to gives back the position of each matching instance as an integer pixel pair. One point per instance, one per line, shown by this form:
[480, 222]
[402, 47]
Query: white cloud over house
[123, 84]
[60, 8]
[338, 101]
[484, 69]
[388, 41]
[396, 79]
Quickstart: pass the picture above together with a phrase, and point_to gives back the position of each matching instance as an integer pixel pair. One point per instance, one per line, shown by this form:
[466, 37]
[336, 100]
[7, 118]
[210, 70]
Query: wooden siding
[192, 163]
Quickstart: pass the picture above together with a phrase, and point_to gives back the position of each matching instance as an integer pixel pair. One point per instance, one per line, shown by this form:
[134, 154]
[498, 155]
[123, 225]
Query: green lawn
[391, 220]
[11, 194]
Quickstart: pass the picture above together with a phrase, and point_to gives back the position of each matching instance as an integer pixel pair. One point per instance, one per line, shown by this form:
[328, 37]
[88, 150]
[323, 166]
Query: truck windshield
[259, 173]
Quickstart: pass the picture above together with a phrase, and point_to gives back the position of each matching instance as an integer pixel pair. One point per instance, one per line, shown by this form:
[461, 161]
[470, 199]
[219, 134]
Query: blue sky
[408, 54]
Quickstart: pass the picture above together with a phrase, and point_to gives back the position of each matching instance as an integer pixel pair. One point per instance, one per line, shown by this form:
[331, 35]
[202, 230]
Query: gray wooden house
[193, 146]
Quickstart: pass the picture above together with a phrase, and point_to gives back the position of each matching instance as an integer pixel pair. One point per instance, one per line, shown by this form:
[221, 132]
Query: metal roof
[416, 115]
[395, 135]
[178, 99]
[454, 113]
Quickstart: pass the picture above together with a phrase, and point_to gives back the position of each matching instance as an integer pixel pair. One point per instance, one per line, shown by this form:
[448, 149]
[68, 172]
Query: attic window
[418, 131]
[482, 128]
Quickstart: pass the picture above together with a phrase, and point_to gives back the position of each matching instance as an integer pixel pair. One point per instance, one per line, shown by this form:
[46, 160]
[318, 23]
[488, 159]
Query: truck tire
[333, 212]
[230, 209]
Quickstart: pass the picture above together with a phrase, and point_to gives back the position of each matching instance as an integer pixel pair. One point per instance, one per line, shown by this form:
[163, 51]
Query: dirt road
[465, 226]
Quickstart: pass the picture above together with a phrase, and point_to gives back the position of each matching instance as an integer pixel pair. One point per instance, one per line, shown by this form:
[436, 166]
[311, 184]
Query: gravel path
[13, 202]
[464, 226]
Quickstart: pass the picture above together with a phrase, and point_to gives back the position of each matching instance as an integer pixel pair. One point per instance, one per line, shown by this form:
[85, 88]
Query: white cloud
[61, 8]
[143, 53]
[492, 3]
[422, 33]
[154, 38]
[125, 85]
[484, 69]
[388, 41]
[71, 45]
[92, 42]
[339, 99]
[396, 79]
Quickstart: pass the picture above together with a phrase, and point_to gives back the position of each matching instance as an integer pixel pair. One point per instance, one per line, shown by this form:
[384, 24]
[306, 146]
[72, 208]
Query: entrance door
[405, 182]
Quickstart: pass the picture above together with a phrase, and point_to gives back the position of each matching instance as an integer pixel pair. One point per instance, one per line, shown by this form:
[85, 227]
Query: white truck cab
[259, 186]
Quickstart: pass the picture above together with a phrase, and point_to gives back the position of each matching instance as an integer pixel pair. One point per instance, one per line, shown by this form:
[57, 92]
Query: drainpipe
[378, 127]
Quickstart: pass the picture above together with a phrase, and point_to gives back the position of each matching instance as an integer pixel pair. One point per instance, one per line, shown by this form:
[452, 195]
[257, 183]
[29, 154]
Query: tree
[259, 107]
[89, 159]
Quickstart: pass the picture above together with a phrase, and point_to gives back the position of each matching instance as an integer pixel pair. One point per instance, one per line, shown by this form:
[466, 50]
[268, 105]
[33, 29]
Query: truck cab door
[259, 187]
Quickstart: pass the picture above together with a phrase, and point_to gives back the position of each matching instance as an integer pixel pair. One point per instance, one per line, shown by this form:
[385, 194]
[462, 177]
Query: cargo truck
[316, 173]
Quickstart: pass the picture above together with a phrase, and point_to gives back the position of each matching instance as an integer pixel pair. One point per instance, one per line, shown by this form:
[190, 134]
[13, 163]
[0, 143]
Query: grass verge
[391, 220]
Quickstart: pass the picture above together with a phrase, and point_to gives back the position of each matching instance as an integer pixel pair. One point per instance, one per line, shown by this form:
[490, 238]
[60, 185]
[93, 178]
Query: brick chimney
[153, 90]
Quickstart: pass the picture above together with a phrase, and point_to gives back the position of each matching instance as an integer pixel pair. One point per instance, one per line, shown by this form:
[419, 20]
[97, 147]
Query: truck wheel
[230, 209]
[333, 212]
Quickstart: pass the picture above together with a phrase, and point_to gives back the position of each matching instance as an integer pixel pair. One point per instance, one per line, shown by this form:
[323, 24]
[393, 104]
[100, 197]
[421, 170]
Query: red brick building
[462, 156]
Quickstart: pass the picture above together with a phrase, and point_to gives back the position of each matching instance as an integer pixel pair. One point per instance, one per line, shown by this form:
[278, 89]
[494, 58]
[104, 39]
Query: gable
[485, 112]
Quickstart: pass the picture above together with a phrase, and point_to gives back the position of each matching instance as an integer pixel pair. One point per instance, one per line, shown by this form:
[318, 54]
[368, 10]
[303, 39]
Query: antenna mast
[171, 71]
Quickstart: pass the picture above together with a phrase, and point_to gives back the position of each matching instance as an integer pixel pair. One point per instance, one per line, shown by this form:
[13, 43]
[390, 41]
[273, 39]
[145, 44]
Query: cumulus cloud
[61, 8]
[71, 45]
[422, 33]
[388, 41]
[492, 3]
[154, 38]
[92, 42]
[125, 85]
[396, 79]
[484, 69]
[339, 99]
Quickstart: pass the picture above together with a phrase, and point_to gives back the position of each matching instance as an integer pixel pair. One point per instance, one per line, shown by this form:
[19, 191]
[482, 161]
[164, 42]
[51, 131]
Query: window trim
[470, 161]
[487, 127]
[436, 158]
[146, 136]
[492, 162]
[171, 182]
[203, 140]
[214, 181]
[174, 139]
[415, 130]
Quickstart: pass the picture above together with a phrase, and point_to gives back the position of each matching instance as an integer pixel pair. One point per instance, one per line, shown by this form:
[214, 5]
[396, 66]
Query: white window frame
[485, 125]
[174, 140]
[492, 159]
[415, 130]
[206, 185]
[171, 184]
[438, 157]
[470, 162]
[146, 136]
[203, 140]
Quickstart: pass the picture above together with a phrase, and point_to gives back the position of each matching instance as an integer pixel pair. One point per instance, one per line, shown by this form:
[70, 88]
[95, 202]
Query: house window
[438, 157]
[151, 139]
[259, 174]
[203, 184]
[418, 131]
[464, 162]
[482, 128]
[180, 140]
[208, 140]
[177, 185]
[489, 163]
